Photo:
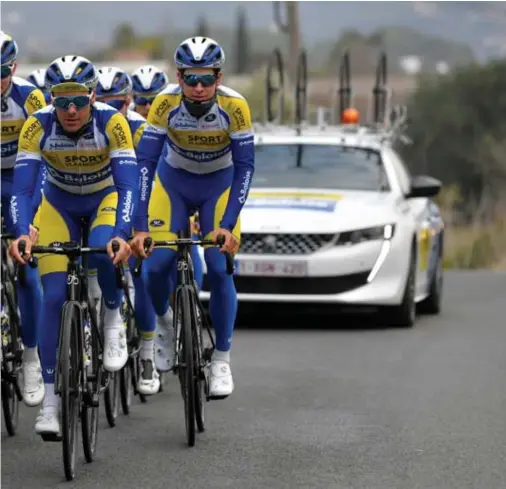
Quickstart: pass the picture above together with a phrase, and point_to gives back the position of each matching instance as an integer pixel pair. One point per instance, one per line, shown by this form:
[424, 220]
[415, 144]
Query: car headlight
[385, 232]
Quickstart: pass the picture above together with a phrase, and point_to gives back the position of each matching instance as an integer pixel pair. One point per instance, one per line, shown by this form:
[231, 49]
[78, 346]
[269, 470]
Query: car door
[420, 211]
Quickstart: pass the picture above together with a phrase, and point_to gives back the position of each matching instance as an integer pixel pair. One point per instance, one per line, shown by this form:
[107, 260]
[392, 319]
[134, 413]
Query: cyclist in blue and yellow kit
[92, 173]
[115, 89]
[203, 133]
[20, 100]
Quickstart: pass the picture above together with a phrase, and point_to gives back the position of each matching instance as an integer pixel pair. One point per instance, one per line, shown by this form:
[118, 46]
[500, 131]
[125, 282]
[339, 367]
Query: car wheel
[404, 315]
[432, 304]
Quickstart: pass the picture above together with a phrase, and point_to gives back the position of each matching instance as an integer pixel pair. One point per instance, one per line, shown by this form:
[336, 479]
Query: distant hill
[398, 43]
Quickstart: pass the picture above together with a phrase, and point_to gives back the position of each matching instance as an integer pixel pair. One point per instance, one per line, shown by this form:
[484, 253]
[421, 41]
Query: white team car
[333, 217]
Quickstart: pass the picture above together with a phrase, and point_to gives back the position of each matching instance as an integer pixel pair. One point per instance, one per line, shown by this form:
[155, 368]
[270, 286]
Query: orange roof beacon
[350, 116]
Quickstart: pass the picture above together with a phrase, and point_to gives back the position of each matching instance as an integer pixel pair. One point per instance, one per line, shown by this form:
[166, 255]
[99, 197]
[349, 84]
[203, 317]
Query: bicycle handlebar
[220, 241]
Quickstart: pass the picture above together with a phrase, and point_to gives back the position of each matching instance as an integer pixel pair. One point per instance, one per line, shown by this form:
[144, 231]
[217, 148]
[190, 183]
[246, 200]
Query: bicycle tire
[90, 413]
[199, 374]
[127, 376]
[186, 367]
[11, 394]
[69, 375]
[10, 407]
[112, 397]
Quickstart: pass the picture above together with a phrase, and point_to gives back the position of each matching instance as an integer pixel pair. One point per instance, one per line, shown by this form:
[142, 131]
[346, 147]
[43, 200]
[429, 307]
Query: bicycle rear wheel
[186, 368]
[69, 378]
[90, 406]
[11, 360]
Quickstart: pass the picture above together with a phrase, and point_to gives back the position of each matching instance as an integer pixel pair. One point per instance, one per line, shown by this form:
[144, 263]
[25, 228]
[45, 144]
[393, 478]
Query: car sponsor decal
[293, 200]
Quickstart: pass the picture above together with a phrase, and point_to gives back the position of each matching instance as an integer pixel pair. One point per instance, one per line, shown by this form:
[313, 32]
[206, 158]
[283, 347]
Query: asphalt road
[358, 408]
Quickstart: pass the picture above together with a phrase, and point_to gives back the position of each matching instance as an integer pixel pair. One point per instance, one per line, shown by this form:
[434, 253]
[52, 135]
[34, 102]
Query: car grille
[283, 244]
[296, 285]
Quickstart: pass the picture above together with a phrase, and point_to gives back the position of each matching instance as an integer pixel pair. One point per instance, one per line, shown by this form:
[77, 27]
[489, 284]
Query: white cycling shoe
[149, 378]
[164, 342]
[221, 383]
[115, 345]
[33, 384]
[48, 421]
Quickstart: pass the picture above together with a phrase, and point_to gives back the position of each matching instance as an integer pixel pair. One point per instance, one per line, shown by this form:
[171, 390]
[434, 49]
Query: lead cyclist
[204, 134]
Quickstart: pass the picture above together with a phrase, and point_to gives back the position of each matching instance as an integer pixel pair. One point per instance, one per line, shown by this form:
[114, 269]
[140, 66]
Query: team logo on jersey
[210, 117]
[156, 223]
[31, 131]
[34, 101]
[162, 108]
[120, 136]
[239, 119]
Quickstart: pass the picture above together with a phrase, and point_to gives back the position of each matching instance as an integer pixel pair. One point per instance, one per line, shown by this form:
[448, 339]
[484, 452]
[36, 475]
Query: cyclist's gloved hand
[123, 253]
[14, 251]
[137, 244]
[34, 234]
[231, 244]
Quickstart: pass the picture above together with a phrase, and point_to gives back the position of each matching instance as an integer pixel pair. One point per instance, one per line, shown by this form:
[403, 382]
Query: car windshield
[319, 166]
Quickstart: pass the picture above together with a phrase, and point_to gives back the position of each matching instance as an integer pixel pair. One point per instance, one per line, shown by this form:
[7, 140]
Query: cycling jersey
[100, 157]
[21, 101]
[221, 139]
[137, 125]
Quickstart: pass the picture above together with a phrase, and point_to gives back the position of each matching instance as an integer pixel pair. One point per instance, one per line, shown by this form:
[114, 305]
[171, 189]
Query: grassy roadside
[478, 246]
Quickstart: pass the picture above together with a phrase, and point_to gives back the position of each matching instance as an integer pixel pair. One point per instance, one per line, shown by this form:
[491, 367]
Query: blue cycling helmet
[71, 69]
[37, 78]
[9, 49]
[199, 52]
[149, 80]
[113, 81]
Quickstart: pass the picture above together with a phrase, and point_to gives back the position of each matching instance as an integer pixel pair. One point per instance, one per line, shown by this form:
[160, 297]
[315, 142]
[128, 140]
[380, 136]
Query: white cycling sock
[30, 354]
[51, 400]
[221, 356]
[112, 318]
[147, 348]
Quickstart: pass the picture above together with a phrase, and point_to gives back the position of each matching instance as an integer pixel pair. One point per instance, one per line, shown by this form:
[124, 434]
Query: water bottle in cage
[87, 343]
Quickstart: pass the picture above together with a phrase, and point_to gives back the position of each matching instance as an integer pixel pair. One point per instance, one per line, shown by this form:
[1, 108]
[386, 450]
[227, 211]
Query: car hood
[290, 210]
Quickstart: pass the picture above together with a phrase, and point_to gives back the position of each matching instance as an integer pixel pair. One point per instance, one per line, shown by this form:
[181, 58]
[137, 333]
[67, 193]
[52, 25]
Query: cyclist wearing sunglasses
[148, 81]
[37, 78]
[21, 99]
[92, 172]
[115, 89]
[204, 134]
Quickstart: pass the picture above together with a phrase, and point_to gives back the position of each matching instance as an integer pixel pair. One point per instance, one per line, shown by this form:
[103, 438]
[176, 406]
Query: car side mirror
[424, 186]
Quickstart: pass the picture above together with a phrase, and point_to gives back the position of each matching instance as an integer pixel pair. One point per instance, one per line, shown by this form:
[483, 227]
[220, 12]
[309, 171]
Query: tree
[124, 37]
[458, 129]
[242, 49]
[202, 27]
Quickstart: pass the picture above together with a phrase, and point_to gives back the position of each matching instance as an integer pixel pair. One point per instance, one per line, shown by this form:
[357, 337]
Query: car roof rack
[388, 124]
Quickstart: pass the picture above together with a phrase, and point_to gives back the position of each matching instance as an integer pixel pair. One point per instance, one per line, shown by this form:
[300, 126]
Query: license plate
[272, 269]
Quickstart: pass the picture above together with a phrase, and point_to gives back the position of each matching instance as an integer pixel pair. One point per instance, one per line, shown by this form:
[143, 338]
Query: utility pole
[291, 27]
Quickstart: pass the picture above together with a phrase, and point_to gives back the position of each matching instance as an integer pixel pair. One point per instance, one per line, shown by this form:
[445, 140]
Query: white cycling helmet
[148, 79]
[9, 49]
[37, 78]
[113, 81]
[71, 69]
[199, 52]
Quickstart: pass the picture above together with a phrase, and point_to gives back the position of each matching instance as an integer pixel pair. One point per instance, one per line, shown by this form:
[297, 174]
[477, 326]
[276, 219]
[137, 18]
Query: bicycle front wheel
[69, 375]
[90, 406]
[186, 367]
[112, 396]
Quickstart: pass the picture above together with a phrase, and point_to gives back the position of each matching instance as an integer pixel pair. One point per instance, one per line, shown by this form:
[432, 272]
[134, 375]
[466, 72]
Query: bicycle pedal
[51, 437]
